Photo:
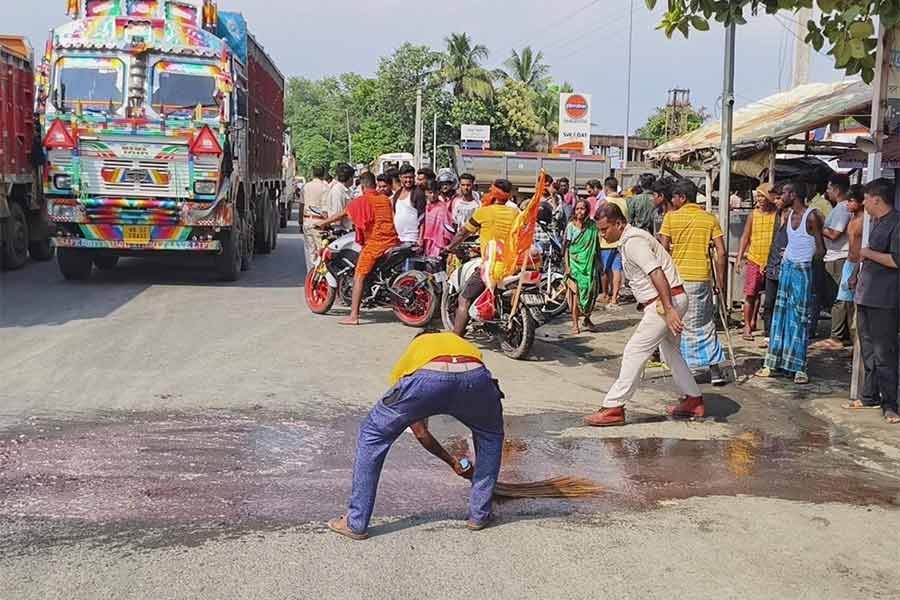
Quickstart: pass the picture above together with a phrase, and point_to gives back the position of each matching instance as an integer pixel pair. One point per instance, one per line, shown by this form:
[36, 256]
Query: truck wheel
[15, 238]
[42, 250]
[269, 228]
[228, 263]
[75, 265]
[106, 262]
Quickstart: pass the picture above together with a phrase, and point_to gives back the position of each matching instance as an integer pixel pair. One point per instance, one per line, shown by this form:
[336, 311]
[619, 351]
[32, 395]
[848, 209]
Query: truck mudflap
[186, 245]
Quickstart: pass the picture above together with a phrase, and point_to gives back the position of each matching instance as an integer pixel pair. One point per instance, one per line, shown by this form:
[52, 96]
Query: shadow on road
[38, 295]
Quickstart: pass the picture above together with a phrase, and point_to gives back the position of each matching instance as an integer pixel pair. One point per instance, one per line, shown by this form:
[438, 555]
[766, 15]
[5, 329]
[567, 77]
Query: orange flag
[524, 227]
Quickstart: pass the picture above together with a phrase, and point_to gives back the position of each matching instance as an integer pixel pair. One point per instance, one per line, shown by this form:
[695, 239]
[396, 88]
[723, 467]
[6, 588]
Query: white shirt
[641, 255]
[338, 199]
[464, 209]
[406, 219]
[801, 246]
[838, 219]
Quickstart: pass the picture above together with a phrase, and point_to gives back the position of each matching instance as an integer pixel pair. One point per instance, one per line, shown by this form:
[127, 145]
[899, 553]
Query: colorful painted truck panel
[23, 225]
[151, 136]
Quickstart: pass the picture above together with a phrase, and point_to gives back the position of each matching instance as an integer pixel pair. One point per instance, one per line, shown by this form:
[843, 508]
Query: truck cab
[144, 109]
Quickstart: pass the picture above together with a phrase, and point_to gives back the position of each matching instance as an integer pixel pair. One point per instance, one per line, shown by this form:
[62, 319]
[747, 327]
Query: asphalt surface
[164, 435]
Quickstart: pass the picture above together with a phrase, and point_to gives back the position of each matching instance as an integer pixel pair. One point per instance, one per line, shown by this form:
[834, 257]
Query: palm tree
[527, 67]
[461, 68]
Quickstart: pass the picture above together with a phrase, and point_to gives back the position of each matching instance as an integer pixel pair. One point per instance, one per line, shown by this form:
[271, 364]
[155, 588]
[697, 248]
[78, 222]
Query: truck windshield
[94, 84]
[178, 86]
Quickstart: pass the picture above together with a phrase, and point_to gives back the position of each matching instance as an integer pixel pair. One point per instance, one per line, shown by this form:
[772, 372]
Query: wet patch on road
[223, 472]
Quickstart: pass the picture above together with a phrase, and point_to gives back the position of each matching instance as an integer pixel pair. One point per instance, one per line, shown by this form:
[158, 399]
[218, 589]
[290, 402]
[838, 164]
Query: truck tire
[75, 265]
[228, 262]
[106, 262]
[268, 230]
[41, 251]
[15, 239]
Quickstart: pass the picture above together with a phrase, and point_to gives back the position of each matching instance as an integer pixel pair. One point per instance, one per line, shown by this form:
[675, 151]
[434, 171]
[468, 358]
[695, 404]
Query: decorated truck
[162, 125]
[23, 223]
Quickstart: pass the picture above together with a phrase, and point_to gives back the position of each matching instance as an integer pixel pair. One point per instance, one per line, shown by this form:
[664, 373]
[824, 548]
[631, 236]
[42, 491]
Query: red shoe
[690, 407]
[606, 417]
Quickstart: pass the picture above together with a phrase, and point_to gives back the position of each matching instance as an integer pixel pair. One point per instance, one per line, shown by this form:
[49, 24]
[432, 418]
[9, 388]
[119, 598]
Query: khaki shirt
[641, 255]
[315, 195]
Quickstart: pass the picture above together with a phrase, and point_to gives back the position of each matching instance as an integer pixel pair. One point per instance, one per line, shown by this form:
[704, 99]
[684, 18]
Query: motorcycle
[517, 310]
[409, 292]
[553, 273]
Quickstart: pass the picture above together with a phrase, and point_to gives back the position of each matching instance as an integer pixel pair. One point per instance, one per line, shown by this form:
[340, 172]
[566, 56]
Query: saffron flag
[521, 237]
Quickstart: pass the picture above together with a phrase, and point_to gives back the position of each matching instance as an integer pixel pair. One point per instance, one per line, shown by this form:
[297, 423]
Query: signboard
[892, 115]
[575, 119]
[475, 133]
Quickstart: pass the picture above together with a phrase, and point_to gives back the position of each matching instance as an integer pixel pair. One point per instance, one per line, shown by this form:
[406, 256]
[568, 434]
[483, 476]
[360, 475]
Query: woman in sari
[581, 246]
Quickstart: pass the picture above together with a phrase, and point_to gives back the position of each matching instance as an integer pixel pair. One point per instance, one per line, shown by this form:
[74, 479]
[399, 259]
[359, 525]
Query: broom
[558, 487]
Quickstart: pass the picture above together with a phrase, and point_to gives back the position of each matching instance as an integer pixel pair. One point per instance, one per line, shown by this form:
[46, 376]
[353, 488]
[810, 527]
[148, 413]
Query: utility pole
[727, 121]
[628, 84]
[434, 140]
[349, 139]
[802, 50]
[417, 152]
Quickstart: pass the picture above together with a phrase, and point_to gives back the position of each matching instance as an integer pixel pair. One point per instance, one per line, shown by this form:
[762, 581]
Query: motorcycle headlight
[62, 182]
[205, 188]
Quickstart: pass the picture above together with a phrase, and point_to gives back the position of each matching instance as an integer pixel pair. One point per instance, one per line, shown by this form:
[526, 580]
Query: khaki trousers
[652, 333]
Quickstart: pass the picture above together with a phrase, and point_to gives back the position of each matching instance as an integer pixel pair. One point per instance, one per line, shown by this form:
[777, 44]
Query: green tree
[847, 26]
[372, 139]
[461, 68]
[663, 126]
[515, 116]
[527, 67]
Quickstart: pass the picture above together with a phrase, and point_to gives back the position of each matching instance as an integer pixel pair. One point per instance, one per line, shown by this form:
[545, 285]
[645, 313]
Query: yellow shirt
[622, 203]
[426, 348]
[821, 204]
[494, 223]
[761, 237]
[691, 229]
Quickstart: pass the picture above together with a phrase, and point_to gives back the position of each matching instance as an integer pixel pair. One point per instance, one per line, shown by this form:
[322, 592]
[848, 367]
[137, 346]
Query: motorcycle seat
[531, 278]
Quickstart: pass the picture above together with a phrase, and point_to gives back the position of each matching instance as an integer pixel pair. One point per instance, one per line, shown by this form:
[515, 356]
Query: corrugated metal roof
[774, 119]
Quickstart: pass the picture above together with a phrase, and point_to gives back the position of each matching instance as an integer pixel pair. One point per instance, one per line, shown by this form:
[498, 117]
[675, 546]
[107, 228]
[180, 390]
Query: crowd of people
[797, 259]
[798, 256]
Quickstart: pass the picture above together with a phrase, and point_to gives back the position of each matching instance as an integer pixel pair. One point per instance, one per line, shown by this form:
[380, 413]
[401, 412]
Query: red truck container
[23, 224]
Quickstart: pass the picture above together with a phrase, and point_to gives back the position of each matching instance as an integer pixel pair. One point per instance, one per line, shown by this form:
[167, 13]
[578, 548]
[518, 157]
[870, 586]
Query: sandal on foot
[801, 378]
[340, 527]
[765, 372]
[858, 405]
[892, 417]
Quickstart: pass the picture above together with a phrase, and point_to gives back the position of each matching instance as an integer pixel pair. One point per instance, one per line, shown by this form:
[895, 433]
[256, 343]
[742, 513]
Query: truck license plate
[136, 234]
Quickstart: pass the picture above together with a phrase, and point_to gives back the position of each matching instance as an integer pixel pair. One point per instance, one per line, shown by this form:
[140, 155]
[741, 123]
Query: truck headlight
[205, 188]
[65, 212]
[62, 182]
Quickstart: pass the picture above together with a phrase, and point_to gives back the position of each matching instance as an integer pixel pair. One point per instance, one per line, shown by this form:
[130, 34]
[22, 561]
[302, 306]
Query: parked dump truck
[522, 168]
[163, 123]
[23, 222]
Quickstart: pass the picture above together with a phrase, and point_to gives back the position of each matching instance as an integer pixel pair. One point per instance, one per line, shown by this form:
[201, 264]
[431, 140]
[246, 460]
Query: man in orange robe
[373, 217]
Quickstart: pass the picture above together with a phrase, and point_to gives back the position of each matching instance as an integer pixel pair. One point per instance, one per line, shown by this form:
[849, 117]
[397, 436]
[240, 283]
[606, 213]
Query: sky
[584, 42]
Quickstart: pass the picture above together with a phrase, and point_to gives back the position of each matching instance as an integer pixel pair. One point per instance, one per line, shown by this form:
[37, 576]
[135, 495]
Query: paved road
[163, 435]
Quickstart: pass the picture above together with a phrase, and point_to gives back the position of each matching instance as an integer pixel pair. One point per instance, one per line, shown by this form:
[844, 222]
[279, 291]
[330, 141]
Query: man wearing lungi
[687, 233]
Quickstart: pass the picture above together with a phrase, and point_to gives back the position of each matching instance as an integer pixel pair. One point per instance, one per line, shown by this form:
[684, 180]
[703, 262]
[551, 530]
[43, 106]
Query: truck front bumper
[190, 246]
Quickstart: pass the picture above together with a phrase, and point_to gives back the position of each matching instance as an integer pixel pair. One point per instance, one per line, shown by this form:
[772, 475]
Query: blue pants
[472, 397]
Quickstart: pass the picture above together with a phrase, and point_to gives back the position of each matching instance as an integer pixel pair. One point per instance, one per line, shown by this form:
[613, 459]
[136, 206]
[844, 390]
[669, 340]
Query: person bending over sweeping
[439, 374]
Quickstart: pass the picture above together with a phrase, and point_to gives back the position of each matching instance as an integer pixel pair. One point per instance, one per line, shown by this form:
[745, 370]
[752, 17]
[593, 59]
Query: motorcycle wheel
[449, 303]
[425, 305]
[555, 307]
[319, 295]
[519, 337]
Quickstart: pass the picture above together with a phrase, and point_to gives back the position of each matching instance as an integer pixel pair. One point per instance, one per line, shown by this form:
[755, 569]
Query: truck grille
[135, 178]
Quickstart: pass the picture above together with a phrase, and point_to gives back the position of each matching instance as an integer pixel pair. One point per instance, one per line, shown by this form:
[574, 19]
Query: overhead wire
[527, 38]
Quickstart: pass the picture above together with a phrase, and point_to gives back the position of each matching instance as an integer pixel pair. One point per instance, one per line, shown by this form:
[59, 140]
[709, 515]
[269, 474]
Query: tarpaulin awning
[773, 120]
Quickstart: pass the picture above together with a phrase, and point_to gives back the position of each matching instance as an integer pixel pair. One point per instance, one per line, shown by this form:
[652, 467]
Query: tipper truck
[162, 125]
[23, 222]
